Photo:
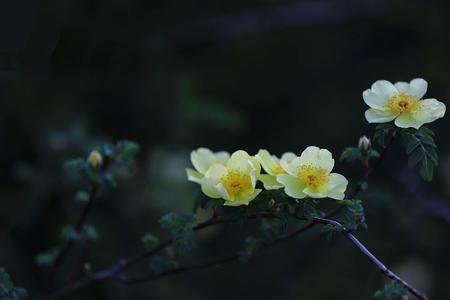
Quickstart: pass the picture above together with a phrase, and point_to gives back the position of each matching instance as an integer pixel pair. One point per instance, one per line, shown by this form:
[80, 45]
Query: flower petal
[222, 157]
[209, 188]
[292, 186]
[375, 100]
[270, 182]
[202, 158]
[244, 201]
[379, 116]
[292, 166]
[194, 176]
[406, 120]
[317, 157]
[216, 171]
[337, 184]
[267, 161]
[288, 156]
[315, 193]
[255, 166]
[239, 160]
[402, 87]
[384, 89]
[428, 111]
[418, 87]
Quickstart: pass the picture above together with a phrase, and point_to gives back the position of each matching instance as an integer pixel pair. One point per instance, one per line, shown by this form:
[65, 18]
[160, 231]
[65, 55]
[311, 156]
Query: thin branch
[387, 272]
[114, 272]
[78, 228]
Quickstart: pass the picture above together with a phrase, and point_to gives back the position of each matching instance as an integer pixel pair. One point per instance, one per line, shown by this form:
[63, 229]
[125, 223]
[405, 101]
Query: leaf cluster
[391, 291]
[117, 163]
[8, 291]
[421, 150]
[181, 230]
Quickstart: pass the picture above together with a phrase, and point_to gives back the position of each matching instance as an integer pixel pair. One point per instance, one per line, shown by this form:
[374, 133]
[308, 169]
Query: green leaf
[126, 150]
[181, 229]
[8, 290]
[82, 196]
[353, 216]
[46, 259]
[89, 233]
[391, 291]
[149, 240]
[420, 147]
[382, 134]
[372, 153]
[70, 234]
[351, 154]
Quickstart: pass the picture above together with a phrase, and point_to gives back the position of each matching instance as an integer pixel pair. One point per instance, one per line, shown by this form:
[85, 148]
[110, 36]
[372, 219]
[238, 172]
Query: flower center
[403, 103]
[313, 177]
[235, 182]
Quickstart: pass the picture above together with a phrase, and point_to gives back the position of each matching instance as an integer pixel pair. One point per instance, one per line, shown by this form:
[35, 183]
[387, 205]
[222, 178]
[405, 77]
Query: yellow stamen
[403, 103]
[235, 183]
[313, 177]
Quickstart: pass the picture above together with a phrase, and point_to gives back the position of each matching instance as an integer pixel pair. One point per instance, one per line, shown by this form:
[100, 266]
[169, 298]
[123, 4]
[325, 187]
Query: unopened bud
[364, 143]
[95, 159]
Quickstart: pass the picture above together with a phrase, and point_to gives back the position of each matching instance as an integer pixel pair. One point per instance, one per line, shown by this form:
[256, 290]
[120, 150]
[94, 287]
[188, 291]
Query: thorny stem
[116, 270]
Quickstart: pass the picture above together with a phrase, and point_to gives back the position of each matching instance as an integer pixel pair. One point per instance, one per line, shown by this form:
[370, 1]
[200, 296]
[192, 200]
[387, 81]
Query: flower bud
[364, 143]
[95, 159]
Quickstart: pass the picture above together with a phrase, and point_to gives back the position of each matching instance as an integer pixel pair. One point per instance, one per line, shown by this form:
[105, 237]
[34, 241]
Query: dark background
[174, 75]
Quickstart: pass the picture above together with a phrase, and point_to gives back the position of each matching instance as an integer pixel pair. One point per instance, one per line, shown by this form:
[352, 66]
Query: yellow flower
[235, 181]
[271, 164]
[95, 159]
[401, 102]
[202, 159]
[309, 175]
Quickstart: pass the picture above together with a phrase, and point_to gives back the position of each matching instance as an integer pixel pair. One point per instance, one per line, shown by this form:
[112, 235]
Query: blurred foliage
[75, 75]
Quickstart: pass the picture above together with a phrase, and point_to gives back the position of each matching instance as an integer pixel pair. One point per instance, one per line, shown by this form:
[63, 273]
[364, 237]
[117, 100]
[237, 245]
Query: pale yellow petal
[337, 185]
[222, 157]
[216, 171]
[194, 176]
[270, 182]
[291, 167]
[268, 162]
[384, 88]
[402, 87]
[239, 160]
[292, 186]
[317, 157]
[418, 87]
[255, 166]
[379, 116]
[209, 188]
[375, 100]
[315, 193]
[428, 111]
[244, 201]
[288, 156]
[202, 159]
[406, 120]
